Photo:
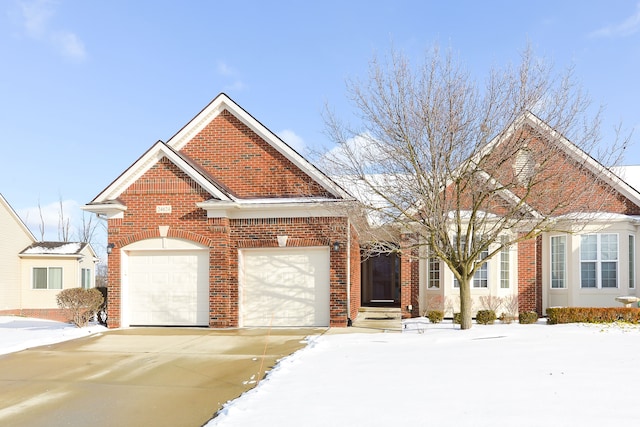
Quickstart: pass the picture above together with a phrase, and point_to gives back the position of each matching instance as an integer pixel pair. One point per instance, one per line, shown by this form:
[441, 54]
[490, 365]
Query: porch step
[385, 318]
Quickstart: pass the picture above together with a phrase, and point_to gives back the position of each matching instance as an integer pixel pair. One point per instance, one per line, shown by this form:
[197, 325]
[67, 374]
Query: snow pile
[19, 333]
[525, 375]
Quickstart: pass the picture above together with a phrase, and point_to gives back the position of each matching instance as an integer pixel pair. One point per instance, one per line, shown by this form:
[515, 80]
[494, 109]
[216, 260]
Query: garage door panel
[285, 287]
[169, 288]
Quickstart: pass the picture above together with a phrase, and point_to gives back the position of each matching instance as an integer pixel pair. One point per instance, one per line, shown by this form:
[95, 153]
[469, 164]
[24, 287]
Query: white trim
[551, 237]
[223, 102]
[277, 208]
[158, 151]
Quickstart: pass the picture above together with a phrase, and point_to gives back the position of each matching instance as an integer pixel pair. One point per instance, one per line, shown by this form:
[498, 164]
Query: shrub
[457, 318]
[489, 302]
[528, 317]
[81, 304]
[486, 317]
[435, 316]
[557, 315]
[507, 318]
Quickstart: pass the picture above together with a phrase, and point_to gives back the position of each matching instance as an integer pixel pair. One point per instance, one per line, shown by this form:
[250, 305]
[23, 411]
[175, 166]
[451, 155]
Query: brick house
[225, 225]
[588, 265]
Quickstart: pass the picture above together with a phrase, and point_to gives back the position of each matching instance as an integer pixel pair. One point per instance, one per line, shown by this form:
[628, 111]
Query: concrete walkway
[140, 376]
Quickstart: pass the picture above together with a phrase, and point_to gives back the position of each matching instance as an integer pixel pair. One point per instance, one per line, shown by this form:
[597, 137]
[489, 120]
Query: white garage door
[285, 287]
[169, 288]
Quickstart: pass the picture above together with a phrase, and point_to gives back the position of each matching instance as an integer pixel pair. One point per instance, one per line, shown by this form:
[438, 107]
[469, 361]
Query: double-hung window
[632, 262]
[558, 262]
[599, 261]
[86, 278]
[47, 278]
[481, 276]
[434, 273]
[504, 264]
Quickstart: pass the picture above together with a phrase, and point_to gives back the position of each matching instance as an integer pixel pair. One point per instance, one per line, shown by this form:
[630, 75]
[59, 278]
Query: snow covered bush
[81, 304]
[486, 317]
[528, 317]
[435, 316]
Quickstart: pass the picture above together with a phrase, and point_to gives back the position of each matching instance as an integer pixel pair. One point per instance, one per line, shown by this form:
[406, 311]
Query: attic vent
[524, 166]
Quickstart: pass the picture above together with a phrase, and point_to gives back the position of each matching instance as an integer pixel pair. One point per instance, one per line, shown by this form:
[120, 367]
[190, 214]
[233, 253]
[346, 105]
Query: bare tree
[467, 169]
[64, 225]
[42, 226]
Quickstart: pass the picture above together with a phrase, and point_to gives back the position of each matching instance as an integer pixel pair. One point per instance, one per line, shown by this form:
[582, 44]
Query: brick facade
[228, 153]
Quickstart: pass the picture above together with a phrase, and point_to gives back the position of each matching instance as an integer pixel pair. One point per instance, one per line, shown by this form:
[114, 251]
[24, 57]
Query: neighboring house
[590, 265]
[35, 272]
[225, 225]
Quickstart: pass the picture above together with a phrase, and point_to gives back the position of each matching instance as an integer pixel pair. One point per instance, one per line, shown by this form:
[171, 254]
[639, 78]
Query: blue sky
[86, 87]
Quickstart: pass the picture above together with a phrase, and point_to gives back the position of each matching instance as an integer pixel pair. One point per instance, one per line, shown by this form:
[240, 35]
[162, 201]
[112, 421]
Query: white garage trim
[165, 282]
[284, 287]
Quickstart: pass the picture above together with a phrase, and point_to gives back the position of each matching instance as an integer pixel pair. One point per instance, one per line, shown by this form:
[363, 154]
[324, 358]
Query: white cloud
[293, 140]
[69, 44]
[36, 20]
[225, 70]
[628, 27]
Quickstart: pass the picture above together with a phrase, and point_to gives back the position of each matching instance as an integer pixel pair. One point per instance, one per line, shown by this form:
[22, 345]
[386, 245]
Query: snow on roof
[54, 248]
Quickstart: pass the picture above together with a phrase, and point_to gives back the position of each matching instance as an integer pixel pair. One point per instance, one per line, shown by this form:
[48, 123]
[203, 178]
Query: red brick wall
[56, 314]
[165, 184]
[247, 165]
[528, 291]
[356, 277]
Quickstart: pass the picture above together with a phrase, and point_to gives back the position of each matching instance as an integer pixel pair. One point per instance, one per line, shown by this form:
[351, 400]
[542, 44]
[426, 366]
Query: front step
[385, 318]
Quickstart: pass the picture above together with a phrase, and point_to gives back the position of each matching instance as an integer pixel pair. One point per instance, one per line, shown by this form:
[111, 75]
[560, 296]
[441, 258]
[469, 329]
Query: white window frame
[505, 267]
[599, 259]
[558, 278]
[85, 278]
[632, 261]
[433, 264]
[478, 281]
[48, 278]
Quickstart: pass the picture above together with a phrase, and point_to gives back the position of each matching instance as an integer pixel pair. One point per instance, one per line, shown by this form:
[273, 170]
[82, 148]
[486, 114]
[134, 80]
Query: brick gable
[246, 164]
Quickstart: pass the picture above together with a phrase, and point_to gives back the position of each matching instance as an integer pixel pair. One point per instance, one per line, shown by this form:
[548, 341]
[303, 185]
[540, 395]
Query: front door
[381, 280]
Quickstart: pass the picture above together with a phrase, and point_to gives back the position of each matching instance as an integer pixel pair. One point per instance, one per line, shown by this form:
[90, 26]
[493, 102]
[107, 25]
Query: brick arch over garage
[172, 233]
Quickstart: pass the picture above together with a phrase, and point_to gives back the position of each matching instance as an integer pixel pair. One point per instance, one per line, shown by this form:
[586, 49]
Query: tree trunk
[465, 303]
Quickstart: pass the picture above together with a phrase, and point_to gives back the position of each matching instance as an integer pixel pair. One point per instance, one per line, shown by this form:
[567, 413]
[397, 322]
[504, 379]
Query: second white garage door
[169, 288]
[285, 287]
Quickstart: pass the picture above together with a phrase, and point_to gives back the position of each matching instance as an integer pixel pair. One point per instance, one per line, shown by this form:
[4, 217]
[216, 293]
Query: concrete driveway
[140, 376]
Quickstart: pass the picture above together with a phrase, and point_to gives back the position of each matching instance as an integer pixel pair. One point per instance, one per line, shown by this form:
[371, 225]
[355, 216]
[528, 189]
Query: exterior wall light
[336, 246]
[110, 247]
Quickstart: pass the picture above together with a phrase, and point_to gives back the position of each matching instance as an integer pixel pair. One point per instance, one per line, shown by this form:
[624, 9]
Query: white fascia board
[146, 162]
[50, 255]
[109, 210]
[283, 209]
[223, 102]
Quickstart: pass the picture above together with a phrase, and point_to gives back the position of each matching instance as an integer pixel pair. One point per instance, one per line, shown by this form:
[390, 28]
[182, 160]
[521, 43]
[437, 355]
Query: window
[558, 262]
[86, 278]
[632, 262]
[434, 273]
[481, 276]
[47, 278]
[504, 265]
[599, 261]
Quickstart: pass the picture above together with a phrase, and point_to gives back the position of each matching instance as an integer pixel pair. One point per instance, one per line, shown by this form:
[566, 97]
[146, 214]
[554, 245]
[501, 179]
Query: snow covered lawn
[436, 375]
[19, 333]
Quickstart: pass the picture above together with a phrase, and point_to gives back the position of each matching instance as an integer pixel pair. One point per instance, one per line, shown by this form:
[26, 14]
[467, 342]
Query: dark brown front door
[381, 280]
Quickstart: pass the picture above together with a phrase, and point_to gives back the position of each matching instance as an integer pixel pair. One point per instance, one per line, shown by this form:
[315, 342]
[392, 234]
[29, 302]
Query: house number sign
[163, 209]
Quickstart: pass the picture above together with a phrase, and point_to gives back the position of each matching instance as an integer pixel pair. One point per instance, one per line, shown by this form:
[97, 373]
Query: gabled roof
[107, 199]
[18, 220]
[56, 249]
[569, 148]
[221, 103]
